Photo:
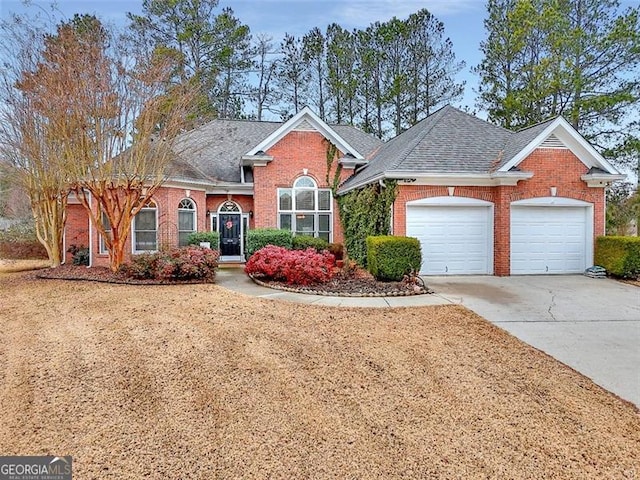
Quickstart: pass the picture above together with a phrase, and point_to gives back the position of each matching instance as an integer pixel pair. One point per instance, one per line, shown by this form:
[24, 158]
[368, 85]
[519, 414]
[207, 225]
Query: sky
[463, 19]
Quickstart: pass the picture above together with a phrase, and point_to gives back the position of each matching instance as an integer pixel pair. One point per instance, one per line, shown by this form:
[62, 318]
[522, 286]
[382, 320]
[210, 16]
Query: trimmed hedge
[302, 242]
[261, 237]
[212, 237]
[391, 258]
[619, 255]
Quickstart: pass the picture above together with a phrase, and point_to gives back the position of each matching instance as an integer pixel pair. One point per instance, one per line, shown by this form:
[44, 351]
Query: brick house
[481, 199]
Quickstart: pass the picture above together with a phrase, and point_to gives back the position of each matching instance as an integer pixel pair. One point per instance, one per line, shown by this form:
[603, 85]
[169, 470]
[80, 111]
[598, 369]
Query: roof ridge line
[419, 137]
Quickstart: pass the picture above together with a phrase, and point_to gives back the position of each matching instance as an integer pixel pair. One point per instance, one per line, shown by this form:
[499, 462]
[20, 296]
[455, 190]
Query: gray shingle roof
[521, 139]
[216, 148]
[447, 141]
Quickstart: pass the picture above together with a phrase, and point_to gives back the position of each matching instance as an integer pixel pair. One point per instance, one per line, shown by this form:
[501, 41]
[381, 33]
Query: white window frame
[193, 211]
[102, 247]
[315, 212]
[151, 206]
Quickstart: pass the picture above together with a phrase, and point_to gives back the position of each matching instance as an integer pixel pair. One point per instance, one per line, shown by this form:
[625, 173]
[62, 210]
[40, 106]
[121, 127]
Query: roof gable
[557, 131]
[306, 120]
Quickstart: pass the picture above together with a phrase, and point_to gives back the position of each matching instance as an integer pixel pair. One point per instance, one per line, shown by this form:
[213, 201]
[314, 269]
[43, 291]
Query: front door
[229, 234]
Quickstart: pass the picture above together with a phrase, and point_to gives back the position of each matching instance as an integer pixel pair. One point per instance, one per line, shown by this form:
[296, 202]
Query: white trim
[90, 231]
[194, 211]
[550, 202]
[306, 114]
[599, 180]
[445, 179]
[241, 214]
[574, 142]
[453, 201]
[231, 189]
[133, 231]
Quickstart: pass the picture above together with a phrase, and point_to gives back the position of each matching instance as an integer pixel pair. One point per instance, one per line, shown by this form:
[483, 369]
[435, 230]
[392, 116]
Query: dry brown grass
[14, 266]
[196, 382]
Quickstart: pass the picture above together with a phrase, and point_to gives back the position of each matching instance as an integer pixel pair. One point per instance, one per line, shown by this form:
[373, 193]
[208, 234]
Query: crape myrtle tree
[30, 145]
[111, 120]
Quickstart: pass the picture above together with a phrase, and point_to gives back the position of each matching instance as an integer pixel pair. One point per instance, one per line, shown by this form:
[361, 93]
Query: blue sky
[463, 19]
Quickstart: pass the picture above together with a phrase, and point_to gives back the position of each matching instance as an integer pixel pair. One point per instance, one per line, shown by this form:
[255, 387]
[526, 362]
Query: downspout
[90, 233]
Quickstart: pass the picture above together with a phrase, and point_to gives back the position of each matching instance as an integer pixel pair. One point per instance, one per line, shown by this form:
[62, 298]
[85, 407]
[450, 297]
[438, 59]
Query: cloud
[362, 13]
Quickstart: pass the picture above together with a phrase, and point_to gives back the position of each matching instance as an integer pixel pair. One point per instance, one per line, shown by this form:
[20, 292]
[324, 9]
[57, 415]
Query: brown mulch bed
[355, 283]
[358, 283]
[101, 274]
[195, 381]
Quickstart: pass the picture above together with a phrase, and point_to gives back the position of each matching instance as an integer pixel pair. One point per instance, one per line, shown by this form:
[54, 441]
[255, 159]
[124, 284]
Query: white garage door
[455, 239]
[549, 239]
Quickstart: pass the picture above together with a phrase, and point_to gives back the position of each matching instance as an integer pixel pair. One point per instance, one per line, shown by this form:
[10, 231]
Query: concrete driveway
[592, 325]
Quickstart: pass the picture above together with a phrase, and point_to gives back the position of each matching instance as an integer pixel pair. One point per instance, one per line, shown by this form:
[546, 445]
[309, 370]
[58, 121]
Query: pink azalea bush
[183, 263]
[295, 267]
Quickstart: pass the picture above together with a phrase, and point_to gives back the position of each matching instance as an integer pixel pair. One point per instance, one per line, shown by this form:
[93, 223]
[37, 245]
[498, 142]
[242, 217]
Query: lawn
[193, 381]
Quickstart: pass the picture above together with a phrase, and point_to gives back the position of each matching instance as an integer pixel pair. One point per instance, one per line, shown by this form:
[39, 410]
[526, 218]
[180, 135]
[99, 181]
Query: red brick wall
[167, 200]
[293, 153]
[551, 168]
[76, 228]
[245, 202]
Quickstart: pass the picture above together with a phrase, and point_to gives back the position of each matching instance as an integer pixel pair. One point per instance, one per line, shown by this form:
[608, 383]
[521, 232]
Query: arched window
[145, 229]
[186, 220]
[306, 209]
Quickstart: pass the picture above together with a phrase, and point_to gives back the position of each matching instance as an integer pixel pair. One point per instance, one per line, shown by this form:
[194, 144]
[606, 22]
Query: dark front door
[230, 234]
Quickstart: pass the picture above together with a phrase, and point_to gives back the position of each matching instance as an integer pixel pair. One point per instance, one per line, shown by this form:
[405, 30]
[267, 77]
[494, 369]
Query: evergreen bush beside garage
[390, 258]
[619, 255]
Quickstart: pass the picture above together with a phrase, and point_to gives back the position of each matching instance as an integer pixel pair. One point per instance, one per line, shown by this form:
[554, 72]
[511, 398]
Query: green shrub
[619, 255]
[261, 237]
[302, 242]
[212, 237]
[80, 254]
[391, 258]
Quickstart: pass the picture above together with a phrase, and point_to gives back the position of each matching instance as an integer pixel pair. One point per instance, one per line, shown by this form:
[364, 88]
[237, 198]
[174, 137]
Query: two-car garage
[549, 235]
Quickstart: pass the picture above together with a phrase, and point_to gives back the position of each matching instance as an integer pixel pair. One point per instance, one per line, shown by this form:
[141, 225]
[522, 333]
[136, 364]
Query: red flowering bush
[295, 267]
[184, 263]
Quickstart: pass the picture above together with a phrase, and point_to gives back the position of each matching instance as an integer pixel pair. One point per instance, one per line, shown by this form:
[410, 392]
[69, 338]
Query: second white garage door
[456, 236]
[550, 239]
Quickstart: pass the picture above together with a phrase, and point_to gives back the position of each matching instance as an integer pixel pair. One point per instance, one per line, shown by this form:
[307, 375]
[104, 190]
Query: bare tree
[28, 139]
[106, 120]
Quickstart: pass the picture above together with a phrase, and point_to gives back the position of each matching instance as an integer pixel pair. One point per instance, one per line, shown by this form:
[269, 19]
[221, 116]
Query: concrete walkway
[592, 325]
[235, 279]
